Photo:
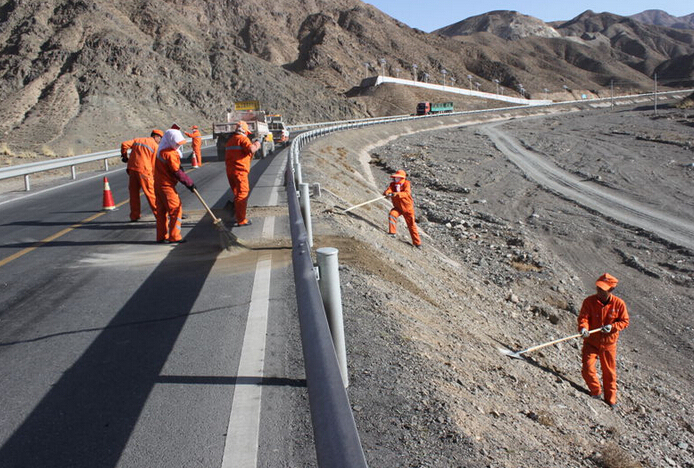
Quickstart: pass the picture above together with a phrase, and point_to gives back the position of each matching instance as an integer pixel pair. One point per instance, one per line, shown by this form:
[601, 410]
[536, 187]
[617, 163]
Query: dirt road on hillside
[587, 192]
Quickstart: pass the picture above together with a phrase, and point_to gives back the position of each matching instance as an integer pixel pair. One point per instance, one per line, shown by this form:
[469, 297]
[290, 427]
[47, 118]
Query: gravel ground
[506, 264]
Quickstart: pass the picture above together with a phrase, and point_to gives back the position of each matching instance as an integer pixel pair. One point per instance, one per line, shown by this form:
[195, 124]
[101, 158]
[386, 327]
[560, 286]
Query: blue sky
[433, 14]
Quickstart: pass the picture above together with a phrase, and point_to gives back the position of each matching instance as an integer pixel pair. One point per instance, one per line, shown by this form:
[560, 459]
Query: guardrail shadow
[88, 415]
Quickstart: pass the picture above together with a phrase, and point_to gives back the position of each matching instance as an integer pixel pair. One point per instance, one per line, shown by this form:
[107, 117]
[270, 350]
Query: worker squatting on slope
[140, 170]
[238, 155]
[609, 312]
[167, 173]
[196, 158]
[401, 195]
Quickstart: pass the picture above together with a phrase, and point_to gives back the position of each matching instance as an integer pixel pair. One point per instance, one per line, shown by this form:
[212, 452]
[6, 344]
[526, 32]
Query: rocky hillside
[81, 75]
[662, 18]
[509, 25]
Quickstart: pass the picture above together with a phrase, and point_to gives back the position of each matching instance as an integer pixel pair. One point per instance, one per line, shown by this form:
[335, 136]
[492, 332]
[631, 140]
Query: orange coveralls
[238, 155]
[168, 201]
[594, 314]
[403, 205]
[140, 170]
[197, 145]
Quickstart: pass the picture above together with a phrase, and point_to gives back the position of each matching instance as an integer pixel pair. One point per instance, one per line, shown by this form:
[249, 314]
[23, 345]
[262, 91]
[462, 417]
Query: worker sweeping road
[606, 311]
[401, 195]
[196, 159]
[238, 155]
[167, 173]
[140, 170]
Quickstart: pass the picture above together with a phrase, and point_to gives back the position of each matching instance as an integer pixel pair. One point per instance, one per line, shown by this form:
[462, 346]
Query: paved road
[117, 351]
[590, 195]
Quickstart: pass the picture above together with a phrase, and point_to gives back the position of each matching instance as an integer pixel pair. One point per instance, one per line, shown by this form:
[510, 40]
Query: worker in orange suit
[140, 170]
[607, 312]
[401, 195]
[238, 155]
[197, 145]
[167, 173]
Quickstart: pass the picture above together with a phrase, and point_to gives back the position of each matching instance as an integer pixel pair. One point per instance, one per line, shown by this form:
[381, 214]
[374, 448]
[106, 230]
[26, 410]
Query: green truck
[425, 108]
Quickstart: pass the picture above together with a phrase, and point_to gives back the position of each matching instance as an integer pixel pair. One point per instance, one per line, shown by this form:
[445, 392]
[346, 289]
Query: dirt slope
[506, 264]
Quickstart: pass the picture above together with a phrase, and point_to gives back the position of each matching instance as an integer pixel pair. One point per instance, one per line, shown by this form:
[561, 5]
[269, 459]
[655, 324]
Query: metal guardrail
[334, 430]
[25, 170]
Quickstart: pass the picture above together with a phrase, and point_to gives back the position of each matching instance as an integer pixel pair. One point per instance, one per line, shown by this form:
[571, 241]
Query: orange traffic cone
[108, 197]
[194, 161]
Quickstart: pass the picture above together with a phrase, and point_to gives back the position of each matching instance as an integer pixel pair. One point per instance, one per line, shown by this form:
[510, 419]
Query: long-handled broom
[517, 354]
[362, 204]
[226, 238]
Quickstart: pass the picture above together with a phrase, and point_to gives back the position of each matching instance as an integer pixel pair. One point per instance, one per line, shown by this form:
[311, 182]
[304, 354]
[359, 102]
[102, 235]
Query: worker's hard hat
[195, 127]
[157, 132]
[399, 173]
[607, 282]
[242, 125]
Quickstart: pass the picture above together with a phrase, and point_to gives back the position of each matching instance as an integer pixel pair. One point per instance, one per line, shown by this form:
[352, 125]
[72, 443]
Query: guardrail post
[305, 200]
[73, 172]
[106, 165]
[297, 174]
[329, 284]
[27, 184]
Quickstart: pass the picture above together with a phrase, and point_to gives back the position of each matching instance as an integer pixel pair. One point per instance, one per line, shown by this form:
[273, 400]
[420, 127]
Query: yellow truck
[248, 111]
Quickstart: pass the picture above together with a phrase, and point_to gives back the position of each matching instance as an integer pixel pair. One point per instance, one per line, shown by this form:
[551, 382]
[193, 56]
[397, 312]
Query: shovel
[517, 354]
[362, 204]
[226, 238]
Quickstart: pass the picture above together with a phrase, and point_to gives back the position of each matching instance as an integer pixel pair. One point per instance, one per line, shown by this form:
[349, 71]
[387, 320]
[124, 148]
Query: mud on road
[506, 263]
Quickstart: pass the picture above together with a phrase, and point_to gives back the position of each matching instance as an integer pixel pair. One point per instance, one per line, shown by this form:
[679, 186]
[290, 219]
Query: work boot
[391, 234]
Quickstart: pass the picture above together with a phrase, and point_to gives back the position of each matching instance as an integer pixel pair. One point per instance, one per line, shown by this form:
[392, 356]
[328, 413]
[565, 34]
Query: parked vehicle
[248, 111]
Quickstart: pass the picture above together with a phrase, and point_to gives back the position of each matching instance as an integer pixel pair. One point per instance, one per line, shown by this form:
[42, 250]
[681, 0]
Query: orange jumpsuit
[238, 156]
[594, 314]
[141, 172]
[167, 164]
[403, 205]
[197, 145]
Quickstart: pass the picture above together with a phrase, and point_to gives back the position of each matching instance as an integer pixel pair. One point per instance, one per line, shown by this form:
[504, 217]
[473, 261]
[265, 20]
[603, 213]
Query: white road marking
[241, 446]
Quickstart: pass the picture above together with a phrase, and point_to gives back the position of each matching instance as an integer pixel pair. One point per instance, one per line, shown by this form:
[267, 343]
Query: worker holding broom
[141, 170]
[167, 173]
[238, 155]
[401, 195]
[607, 312]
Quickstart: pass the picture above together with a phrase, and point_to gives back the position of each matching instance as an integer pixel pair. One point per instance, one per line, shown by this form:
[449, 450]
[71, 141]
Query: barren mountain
[662, 18]
[81, 75]
[509, 25]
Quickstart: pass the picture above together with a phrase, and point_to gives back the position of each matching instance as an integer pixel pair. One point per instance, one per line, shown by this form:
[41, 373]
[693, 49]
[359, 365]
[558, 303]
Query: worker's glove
[585, 333]
[191, 187]
[124, 157]
[390, 195]
[607, 328]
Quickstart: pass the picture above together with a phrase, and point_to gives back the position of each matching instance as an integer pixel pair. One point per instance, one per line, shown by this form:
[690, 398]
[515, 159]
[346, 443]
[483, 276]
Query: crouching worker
[606, 311]
[167, 173]
[401, 195]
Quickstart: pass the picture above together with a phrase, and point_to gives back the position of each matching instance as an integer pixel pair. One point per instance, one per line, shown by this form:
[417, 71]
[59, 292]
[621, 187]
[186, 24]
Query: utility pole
[383, 66]
[414, 71]
[611, 94]
[655, 93]
[367, 65]
[497, 86]
[443, 72]
[469, 77]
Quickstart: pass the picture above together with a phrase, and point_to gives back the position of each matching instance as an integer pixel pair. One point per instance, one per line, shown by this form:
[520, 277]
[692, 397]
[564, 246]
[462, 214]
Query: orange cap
[243, 126]
[606, 282]
[399, 173]
[158, 132]
[195, 127]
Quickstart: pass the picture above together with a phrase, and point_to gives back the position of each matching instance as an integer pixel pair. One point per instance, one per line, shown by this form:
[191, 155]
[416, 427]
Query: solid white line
[241, 446]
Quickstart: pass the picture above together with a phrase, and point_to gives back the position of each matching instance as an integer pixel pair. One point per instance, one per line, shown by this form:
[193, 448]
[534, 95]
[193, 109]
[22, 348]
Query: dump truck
[280, 133]
[248, 111]
[426, 108]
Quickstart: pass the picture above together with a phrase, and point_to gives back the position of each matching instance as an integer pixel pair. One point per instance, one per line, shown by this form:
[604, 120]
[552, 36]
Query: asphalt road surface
[116, 351]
